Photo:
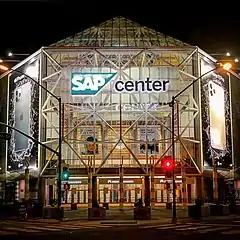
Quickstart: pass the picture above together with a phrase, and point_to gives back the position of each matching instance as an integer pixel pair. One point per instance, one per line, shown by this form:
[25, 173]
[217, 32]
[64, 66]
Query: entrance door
[127, 196]
[114, 195]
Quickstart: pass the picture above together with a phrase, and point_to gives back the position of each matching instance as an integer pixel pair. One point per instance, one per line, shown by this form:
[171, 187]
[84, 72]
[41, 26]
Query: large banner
[235, 94]
[149, 138]
[216, 121]
[23, 115]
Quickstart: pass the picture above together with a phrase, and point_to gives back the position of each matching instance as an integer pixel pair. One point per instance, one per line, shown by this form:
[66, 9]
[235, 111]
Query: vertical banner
[216, 120]
[89, 136]
[151, 137]
[23, 115]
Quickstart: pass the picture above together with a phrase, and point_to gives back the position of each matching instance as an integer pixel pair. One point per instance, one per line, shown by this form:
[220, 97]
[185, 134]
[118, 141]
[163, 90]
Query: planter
[169, 205]
[97, 213]
[195, 212]
[142, 213]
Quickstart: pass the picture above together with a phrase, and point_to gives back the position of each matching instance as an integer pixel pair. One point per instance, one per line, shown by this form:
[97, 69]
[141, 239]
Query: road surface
[221, 229]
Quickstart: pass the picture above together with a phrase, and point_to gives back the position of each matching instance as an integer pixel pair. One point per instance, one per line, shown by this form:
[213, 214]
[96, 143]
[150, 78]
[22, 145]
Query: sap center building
[115, 81]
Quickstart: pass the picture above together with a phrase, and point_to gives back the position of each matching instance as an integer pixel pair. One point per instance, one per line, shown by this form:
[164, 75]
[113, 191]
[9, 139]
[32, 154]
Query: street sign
[5, 136]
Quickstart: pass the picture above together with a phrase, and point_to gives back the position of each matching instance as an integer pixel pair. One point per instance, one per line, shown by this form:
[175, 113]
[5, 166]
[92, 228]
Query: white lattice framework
[121, 46]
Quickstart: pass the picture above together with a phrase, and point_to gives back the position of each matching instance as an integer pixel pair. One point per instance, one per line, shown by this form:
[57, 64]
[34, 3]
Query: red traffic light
[167, 163]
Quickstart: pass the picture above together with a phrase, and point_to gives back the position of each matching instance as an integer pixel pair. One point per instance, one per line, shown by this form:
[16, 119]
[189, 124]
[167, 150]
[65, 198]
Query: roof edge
[21, 63]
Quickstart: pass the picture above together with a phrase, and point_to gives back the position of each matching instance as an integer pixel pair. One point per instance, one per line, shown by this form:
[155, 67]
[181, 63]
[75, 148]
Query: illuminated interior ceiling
[119, 32]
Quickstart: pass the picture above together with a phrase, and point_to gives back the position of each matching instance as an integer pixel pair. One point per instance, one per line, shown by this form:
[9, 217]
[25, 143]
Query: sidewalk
[159, 215]
[164, 220]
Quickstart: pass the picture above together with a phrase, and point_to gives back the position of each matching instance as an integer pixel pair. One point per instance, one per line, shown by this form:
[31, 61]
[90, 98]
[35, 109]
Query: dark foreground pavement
[218, 229]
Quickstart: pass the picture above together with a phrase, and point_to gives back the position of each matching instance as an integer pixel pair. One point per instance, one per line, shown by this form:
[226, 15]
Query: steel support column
[152, 186]
[94, 191]
[121, 187]
[147, 191]
[215, 181]
[89, 192]
[184, 186]
[27, 184]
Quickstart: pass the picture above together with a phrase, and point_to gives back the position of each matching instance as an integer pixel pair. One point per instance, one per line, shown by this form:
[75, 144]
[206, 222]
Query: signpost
[23, 211]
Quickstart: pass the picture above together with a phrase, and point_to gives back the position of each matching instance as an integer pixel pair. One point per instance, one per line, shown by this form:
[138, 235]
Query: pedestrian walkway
[9, 227]
[21, 228]
[200, 228]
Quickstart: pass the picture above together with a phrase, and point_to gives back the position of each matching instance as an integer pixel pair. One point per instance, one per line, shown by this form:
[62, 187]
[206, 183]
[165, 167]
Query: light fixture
[228, 54]
[227, 66]
[3, 68]
[236, 60]
[1, 60]
[10, 54]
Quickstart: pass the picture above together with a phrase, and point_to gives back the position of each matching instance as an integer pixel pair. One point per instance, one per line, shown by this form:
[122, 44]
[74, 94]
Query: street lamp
[59, 154]
[10, 54]
[227, 67]
[9, 60]
[3, 68]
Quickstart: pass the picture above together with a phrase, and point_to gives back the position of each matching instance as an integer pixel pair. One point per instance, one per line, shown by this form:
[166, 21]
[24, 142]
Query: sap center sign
[92, 83]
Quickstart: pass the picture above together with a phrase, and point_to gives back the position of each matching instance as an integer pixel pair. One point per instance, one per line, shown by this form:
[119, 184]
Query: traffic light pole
[174, 211]
[59, 183]
[171, 104]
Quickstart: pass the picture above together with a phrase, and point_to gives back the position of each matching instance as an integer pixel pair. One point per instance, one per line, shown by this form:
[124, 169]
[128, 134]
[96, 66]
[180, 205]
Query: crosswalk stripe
[175, 226]
[4, 233]
[93, 225]
[68, 227]
[214, 229]
[154, 226]
[192, 228]
[104, 226]
[21, 230]
[231, 232]
[41, 228]
[89, 226]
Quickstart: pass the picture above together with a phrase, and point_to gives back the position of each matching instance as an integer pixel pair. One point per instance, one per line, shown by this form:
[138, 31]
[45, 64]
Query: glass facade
[108, 191]
[114, 127]
[111, 127]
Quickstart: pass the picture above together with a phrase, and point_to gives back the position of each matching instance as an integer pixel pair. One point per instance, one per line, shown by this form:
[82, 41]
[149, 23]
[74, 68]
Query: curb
[133, 222]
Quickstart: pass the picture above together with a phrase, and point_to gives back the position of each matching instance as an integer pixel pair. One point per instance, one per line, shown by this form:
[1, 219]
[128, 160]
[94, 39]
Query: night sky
[27, 26]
